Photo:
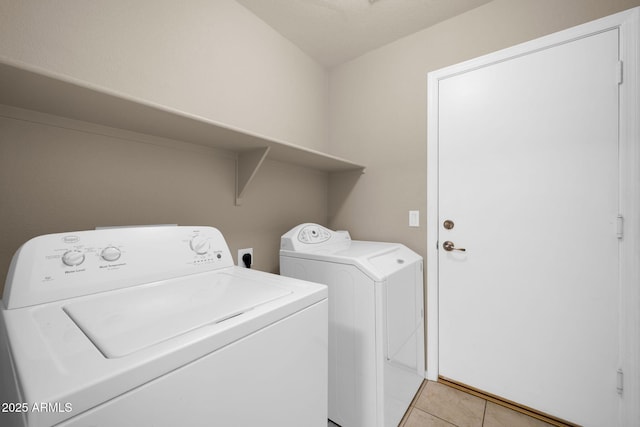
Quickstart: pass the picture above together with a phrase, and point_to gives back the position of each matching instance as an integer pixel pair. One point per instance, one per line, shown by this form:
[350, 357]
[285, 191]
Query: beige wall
[378, 108]
[67, 175]
[217, 60]
[209, 58]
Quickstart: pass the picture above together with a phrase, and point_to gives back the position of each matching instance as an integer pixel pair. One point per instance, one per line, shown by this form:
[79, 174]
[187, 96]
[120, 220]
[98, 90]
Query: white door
[529, 176]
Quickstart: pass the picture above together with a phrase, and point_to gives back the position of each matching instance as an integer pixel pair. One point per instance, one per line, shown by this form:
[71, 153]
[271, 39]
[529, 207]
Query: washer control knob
[200, 245]
[110, 253]
[73, 257]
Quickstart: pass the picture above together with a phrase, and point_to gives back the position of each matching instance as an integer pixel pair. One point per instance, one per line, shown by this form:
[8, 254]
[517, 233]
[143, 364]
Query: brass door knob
[449, 246]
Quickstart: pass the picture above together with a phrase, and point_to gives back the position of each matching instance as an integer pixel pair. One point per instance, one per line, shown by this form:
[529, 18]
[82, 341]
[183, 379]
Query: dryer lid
[123, 322]
[378, 260]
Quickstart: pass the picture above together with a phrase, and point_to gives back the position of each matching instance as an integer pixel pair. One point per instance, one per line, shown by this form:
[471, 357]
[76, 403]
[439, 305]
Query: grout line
[484, 413]
[435, 416]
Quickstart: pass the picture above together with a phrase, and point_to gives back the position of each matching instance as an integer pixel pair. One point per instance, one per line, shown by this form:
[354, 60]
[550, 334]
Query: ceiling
[335, 31]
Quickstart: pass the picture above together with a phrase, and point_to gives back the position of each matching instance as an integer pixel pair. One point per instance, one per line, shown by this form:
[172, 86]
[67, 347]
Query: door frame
[628, 23]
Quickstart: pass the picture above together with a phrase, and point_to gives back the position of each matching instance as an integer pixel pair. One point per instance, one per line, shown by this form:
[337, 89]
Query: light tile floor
[438, 405]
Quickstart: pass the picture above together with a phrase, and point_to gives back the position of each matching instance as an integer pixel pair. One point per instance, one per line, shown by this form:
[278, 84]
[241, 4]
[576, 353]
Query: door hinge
[620, 72]
[620, 381]
[619, 227]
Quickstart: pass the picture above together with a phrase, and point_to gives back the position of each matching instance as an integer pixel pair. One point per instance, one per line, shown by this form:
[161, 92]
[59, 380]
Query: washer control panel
[66, 265]
[110, 253]
[73, 257]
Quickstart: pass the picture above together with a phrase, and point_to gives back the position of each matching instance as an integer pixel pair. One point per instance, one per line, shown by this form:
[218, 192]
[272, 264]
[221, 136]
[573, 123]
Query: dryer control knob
[200, 245]
[110, 253]
[73, 257]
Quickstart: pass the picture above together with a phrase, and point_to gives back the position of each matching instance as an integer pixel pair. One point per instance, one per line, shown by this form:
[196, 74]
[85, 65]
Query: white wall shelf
[40, 90]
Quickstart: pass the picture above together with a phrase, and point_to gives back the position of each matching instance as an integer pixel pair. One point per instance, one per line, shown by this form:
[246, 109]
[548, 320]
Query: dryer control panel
[313, 234]
[66, 265]
[307, 235]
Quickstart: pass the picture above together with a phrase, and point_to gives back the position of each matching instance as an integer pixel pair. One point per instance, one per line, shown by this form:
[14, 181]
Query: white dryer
[376, 329]
[155, 326]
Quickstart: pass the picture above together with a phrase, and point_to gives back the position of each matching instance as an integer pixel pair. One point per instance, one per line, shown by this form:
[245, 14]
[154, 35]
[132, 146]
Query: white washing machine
[376, 329]
[155, 326]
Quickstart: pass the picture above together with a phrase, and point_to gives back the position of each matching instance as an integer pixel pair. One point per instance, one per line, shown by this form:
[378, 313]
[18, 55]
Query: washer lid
[122, 323]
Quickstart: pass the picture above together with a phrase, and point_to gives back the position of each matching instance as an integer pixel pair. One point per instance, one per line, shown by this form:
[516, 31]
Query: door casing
[628, 23]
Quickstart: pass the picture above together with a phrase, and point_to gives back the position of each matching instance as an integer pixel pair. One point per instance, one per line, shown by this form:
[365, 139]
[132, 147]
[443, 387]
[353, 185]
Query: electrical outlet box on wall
[241, 257]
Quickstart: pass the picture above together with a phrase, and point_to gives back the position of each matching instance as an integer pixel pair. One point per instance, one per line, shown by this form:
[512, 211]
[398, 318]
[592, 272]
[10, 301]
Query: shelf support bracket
[247, 164]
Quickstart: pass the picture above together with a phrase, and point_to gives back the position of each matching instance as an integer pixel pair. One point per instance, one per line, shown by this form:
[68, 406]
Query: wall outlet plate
[414, 218]
[241, 252]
